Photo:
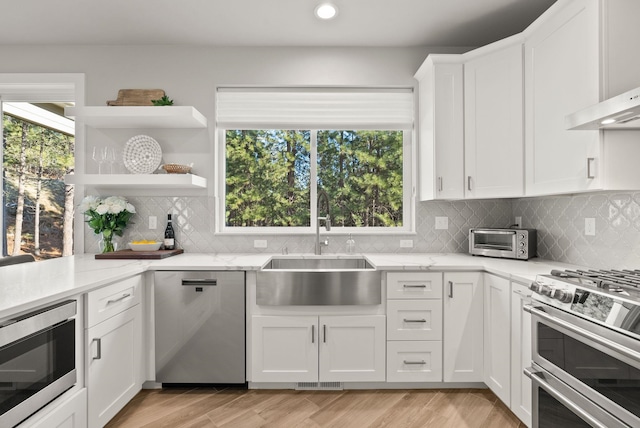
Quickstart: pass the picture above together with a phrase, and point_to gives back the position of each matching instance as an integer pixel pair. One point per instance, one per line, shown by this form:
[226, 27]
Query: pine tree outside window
[272, 175]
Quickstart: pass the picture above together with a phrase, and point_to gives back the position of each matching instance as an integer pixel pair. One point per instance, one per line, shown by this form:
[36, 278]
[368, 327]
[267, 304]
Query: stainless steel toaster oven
[503, 243]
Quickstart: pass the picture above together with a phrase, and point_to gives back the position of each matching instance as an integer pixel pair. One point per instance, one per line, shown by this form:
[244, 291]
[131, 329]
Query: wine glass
[110, 159]
[99, 156]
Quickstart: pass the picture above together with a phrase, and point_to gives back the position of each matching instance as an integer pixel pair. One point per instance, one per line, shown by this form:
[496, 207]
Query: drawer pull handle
[419, 320]
[415, 286]
[200, 282]
[324, 333]
[590, 162]
[313, 334]
[407, 362]
[451, 289]
[124, 296]
[440, 184]
[98, 349]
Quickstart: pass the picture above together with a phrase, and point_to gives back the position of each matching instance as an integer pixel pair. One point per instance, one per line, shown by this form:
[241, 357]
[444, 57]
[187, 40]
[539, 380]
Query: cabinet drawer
[414, 320]
[414, 285]
[108, 301]
[415, 361]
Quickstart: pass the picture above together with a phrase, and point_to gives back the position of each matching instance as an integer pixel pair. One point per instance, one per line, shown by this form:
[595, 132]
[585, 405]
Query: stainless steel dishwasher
[200, 327]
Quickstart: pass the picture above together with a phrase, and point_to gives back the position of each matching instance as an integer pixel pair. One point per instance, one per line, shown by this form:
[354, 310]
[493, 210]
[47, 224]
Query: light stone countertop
[28, 286]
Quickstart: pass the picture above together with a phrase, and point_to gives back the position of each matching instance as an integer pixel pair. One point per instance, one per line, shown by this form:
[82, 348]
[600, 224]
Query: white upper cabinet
[441, 127]
[493, 122]
[577, 54]
[561, 76]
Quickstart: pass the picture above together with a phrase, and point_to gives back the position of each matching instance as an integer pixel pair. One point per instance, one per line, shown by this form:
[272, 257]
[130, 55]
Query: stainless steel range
[586, 349]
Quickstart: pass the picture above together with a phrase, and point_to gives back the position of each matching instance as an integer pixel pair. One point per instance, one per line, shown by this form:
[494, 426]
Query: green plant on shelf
[164, 101]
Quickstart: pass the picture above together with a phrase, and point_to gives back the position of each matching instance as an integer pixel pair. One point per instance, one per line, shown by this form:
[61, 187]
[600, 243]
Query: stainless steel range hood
[619, 112]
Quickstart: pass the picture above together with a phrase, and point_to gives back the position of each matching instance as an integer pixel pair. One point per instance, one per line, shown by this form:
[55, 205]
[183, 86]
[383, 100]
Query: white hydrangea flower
[130, 208]
[89, 203]
[102, 209]
[115, 204]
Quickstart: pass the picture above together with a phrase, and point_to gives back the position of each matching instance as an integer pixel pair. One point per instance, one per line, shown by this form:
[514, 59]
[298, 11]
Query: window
[37, 151]
[272, 175]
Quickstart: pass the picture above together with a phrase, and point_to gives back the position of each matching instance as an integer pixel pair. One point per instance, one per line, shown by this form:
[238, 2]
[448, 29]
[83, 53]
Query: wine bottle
[169, 235]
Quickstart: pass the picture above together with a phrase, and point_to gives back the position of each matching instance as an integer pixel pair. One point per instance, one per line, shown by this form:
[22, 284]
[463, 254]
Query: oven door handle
[539, 382]
[608, 344]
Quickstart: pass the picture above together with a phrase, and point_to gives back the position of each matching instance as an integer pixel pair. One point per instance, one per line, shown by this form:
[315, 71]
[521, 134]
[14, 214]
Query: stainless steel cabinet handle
[415, 286]
[98, 348]
[421, 362]
[124, 296]
[590, 162]
[451, 289]
[313, 334]
[468, 182]
[200, 282]
[324, 333]
[440, 184]
[418, 320]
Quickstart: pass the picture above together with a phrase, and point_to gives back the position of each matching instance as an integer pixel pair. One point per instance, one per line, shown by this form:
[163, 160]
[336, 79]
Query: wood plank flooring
[211, 408]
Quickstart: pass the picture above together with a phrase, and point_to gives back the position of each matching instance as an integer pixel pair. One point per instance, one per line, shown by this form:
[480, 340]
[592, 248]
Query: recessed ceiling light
[608, 121]
[326, 11]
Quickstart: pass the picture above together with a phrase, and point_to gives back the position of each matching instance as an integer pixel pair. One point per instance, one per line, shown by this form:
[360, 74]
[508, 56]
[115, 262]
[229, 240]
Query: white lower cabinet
[414, 327]
[497, 339]
[114, 355]
[68, 412]
[318, 349]
[463, 329]
[520, 353]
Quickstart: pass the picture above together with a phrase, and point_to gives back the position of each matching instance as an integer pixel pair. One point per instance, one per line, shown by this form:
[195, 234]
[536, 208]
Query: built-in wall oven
[586, 349]
[37, 360]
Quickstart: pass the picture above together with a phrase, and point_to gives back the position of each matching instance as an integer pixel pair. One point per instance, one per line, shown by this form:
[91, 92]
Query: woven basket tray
[174, 168]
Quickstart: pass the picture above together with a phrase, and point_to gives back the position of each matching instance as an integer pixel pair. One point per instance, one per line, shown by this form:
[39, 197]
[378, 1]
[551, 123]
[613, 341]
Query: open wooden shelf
[148, 181]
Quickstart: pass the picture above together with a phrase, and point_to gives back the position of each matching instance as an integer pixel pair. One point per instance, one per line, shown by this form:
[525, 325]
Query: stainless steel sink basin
[292, 281]
[319, 263]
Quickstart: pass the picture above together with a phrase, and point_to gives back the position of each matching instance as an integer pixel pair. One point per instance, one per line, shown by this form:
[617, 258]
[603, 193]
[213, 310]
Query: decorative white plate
[142, 155]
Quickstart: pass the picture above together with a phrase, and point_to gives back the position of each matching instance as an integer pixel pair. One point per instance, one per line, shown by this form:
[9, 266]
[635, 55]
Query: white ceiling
[265, 22]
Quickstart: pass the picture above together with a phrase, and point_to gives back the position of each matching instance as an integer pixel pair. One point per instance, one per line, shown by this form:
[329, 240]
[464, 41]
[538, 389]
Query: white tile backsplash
[560, 222]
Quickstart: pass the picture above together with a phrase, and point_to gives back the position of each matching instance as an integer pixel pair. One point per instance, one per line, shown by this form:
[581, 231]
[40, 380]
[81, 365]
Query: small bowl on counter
[145, 246]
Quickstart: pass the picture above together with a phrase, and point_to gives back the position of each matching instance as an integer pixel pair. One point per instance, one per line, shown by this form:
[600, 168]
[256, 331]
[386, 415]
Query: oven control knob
[536, 287]
[564, 296]
[522, 236]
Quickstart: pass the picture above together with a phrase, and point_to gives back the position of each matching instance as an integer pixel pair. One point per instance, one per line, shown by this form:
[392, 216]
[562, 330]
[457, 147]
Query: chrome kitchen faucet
[327, 221]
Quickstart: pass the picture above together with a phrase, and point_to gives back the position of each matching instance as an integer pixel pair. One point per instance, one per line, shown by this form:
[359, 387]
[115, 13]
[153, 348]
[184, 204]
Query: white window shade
[317, 108]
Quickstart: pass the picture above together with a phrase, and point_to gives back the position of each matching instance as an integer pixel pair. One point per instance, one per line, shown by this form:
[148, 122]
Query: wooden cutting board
[130, 254]
[136, 97]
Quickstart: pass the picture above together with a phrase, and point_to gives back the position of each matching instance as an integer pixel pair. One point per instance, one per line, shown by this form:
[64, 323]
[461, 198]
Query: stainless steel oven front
[583, 374]
[37, 360]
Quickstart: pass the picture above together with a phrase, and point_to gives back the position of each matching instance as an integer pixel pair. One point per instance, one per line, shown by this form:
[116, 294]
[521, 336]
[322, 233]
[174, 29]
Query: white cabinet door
[67, 413]
[497, 336]
[561, 77]
[284, 349]
[520, 353]
[113, 364]
[493, 123]
[441, 127]
[352, 348]
[463, 335]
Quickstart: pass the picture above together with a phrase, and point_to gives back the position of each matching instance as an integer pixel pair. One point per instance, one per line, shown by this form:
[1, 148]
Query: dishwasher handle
[200, 282]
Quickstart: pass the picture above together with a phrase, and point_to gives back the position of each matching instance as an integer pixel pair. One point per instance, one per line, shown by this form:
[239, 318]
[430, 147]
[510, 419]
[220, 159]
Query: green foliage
[164, 101]
[268, 177]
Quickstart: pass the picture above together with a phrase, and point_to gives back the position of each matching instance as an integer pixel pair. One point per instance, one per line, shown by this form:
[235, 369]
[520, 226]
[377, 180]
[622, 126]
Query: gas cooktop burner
[606, 279]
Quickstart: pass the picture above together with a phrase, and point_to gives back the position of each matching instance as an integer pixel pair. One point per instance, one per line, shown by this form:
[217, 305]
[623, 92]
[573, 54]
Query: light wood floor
[210, 408]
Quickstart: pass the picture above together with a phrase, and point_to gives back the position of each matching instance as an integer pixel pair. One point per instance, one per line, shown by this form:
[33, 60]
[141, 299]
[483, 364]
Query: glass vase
[106, 244]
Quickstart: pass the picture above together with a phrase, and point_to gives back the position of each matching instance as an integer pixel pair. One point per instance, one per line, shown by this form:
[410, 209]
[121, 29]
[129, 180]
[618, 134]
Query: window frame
[408, 189]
